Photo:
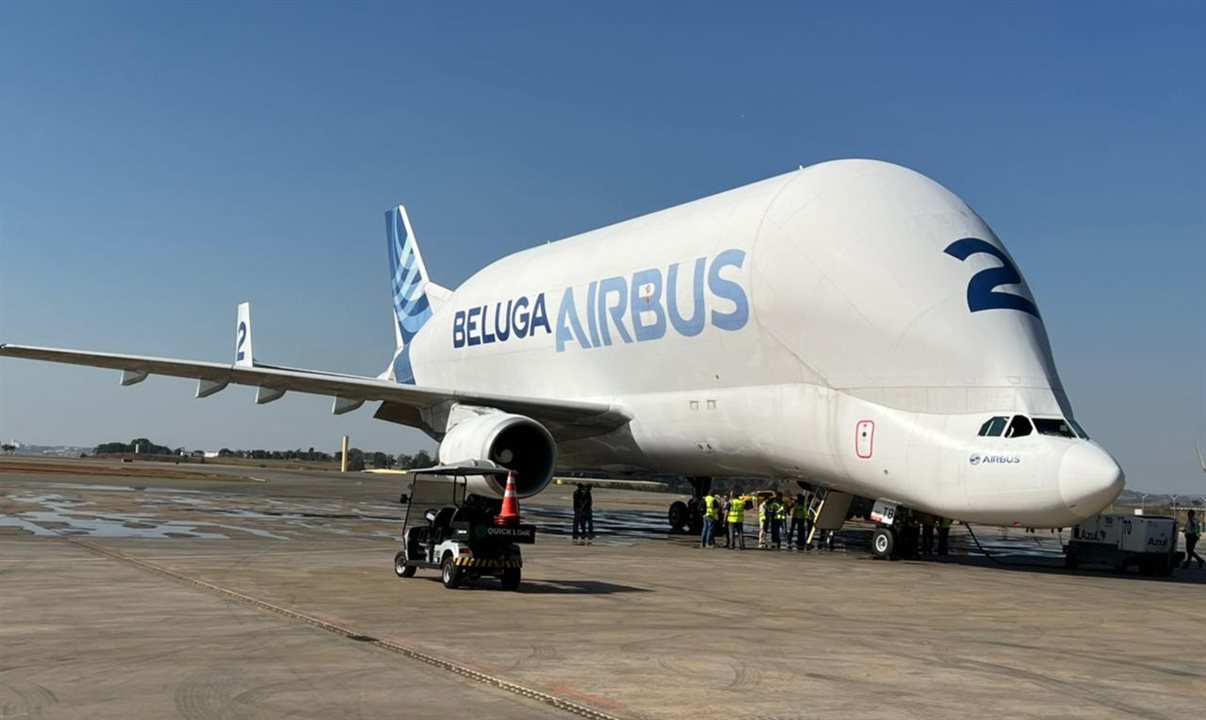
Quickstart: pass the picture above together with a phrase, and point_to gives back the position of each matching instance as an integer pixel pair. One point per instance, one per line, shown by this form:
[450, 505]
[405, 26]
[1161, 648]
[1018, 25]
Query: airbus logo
[643, 307]
[975, 459]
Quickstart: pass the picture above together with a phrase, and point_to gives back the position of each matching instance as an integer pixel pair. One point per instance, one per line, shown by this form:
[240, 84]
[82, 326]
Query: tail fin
[243, 355]
[415, 296]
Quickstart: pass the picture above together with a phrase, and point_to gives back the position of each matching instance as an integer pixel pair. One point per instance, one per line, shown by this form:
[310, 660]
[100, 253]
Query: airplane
[852, 325]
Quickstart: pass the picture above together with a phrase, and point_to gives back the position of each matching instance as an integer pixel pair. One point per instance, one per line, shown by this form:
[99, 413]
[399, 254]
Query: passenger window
[1020, 427]
[1057, 427]
[993, 427]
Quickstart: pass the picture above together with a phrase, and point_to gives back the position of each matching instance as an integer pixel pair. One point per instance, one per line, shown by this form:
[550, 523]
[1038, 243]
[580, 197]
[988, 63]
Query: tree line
[357, 459]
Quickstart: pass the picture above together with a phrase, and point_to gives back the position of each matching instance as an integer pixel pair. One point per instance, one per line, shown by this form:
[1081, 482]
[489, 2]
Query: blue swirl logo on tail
[408, 280]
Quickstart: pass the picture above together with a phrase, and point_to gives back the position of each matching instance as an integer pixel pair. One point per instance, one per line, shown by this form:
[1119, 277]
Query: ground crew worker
[798, 533]
[1193, 533]
[722, 518]
[763, 523]
[777, 520]
[736, 520]
[927, 534]
[711, 515]
[579, 527]
[944, 533]
[588, 516]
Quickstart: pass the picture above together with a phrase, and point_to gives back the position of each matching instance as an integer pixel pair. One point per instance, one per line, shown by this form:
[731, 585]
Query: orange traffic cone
[509, 515]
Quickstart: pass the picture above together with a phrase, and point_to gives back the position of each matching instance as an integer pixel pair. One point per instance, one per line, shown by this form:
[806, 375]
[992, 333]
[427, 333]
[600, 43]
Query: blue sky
[160, 162]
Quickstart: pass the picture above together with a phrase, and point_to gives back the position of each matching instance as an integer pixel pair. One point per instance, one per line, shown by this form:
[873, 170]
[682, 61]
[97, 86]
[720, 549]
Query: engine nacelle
[512, 441]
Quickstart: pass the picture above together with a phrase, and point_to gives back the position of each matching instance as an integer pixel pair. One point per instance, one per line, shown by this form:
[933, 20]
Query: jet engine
[514, 442]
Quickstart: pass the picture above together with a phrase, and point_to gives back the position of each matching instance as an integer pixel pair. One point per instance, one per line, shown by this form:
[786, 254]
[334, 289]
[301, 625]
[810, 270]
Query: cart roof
[461, 470]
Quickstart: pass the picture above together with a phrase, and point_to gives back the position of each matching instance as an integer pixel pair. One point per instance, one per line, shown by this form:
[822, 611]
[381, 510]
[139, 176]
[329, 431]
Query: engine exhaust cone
[509, 515]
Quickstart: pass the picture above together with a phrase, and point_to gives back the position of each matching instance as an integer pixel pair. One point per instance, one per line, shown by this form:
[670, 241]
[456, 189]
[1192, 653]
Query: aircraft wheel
[450, 574]
[401, 569]
[678, 516]
[883, 543]
[510, 579]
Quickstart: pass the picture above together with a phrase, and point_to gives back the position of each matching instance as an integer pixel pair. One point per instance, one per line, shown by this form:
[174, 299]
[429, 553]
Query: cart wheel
[450, 574]
[401, 569]
[883, 543]
[510, 578]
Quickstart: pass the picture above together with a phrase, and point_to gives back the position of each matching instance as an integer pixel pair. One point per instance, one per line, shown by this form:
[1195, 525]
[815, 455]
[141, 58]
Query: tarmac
[149, 591]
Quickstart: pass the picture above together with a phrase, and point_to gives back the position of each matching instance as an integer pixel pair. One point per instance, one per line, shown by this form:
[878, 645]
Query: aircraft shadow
[1052, 566]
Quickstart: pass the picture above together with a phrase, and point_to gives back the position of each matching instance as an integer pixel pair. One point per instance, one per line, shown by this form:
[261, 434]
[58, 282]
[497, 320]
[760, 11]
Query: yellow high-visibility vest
[800, 511]
[737, 511]
[710, 510]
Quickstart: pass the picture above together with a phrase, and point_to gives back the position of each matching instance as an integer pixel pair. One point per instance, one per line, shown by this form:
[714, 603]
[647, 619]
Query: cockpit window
[1054, 426]
[1019, 427]
[994, 426]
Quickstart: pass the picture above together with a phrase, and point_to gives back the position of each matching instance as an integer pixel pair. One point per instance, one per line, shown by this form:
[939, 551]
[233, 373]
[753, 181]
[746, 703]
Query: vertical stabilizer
[413, 292]
[243, 356]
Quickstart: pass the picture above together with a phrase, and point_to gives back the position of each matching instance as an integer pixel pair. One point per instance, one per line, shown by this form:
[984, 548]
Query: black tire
[1071, 561]
[678, 516]
[510, 578]
[401, 569]
[450, 574]
[883, 543]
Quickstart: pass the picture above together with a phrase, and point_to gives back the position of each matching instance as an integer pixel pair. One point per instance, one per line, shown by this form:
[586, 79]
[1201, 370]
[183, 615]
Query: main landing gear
[688, 516]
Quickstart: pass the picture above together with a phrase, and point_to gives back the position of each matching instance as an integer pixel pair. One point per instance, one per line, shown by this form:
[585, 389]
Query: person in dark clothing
[798, 534]
[588, 517]
[927, 534]
[944, 534]
[1193, 533]
[579, 526]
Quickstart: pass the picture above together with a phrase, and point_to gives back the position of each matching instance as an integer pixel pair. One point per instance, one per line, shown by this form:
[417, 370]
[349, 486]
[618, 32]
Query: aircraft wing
[411, 405]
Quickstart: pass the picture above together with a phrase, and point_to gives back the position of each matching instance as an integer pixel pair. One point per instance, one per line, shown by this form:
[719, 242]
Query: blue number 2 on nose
[982, 293]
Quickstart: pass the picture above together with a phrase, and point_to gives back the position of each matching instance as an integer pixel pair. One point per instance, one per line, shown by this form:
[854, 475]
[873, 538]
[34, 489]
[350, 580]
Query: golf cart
[447, 527]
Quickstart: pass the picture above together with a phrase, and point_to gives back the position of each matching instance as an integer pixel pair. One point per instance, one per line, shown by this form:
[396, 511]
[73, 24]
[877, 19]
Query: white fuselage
[819, 325]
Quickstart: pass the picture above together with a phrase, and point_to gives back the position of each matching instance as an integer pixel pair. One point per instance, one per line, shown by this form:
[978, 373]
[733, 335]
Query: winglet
[243, 355]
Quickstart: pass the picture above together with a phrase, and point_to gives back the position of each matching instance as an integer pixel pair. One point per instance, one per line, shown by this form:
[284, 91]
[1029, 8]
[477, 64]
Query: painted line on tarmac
[455, 668]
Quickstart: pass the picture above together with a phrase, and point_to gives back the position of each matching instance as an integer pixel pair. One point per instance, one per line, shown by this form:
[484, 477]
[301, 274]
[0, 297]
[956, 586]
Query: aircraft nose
[1089, 479]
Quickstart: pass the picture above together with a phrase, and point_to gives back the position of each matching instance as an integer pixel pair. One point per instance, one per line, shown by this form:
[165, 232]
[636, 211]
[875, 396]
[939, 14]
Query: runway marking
[346, 632]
